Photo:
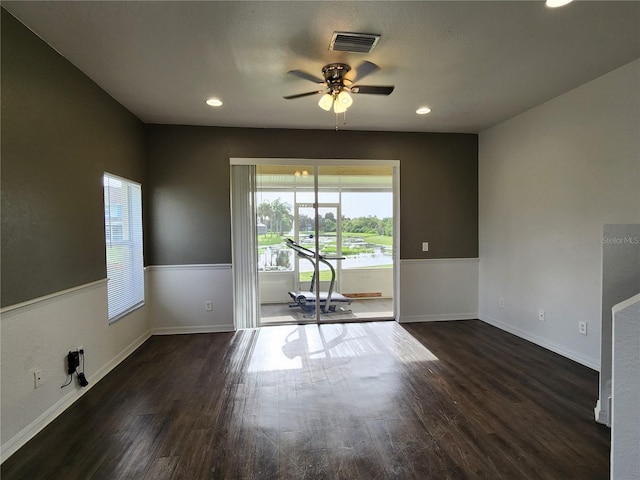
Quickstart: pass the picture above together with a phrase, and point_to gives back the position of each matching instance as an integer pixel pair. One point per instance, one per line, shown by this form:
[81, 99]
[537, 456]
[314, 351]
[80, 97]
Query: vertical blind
[244, 247]
[123, 238]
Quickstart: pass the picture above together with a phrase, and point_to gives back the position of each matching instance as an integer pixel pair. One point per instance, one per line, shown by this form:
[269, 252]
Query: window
[123, 240]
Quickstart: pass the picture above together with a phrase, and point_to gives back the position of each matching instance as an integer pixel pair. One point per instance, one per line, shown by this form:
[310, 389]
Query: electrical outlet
[208, 305]
[37, 378]
[425, 246]
[501, 302]
[582, 328]
[541, 315]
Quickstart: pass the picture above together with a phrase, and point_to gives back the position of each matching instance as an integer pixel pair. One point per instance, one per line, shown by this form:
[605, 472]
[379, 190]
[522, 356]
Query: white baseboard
[21, 438]
[438, 317]
[601, 415]
[188, 330]
[559, 349]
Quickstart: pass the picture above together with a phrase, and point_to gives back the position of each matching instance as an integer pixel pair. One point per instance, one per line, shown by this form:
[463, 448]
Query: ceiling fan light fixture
[326, 101]
[343, 101]
[336, 93]
[339, 108]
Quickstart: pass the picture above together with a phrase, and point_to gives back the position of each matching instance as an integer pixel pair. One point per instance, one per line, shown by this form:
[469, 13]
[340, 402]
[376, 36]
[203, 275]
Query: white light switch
[425, 246]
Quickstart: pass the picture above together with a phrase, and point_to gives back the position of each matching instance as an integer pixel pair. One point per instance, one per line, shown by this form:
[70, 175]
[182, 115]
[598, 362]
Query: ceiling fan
[337, 86]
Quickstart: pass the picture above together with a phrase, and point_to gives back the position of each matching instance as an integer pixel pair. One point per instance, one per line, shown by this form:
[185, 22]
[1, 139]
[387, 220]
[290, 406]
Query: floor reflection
[332, 375]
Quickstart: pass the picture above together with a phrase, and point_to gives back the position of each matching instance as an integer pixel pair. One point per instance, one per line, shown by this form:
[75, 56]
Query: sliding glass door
[285, 199]
[364, 235]
[325, 241]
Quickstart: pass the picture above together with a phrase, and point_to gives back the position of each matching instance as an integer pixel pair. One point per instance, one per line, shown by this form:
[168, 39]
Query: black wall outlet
[73, 362]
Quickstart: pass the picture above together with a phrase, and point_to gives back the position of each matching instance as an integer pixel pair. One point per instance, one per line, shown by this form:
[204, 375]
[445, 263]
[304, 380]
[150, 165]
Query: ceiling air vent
[353, 42]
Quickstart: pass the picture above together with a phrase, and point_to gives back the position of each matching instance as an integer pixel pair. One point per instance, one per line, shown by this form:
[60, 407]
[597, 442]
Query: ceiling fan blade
[364, 69]
[300, 95]
[306, 76]
[372, 90]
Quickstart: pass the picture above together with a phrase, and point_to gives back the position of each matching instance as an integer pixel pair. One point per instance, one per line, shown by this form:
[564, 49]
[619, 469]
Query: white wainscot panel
[368, 280]
[438, 289]
[275, 286]
[179, 296]
[38, 334]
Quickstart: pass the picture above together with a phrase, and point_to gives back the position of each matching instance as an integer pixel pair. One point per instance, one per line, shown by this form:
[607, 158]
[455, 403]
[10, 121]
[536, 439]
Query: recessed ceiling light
[423, 110]
[557, 3]
[214, 102]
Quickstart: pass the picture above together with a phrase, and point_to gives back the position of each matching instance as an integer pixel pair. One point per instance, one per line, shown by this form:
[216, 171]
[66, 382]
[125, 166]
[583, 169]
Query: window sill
[126, 312]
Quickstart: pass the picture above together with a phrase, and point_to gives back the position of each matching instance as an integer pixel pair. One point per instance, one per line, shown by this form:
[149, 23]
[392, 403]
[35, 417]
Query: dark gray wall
[188, 185]
[60, 132]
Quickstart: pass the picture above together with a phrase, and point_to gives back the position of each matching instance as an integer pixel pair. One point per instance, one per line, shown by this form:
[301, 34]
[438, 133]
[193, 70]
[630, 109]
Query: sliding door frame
[240, 274]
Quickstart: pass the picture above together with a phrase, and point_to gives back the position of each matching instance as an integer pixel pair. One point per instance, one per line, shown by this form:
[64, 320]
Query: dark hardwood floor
[446, 400]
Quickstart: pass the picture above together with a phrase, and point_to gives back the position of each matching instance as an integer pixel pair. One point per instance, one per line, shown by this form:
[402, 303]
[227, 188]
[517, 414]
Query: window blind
[123, 240]
[244, 247]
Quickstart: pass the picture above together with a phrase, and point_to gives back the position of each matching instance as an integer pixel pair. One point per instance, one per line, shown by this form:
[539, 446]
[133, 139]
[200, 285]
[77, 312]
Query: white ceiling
[474, 63]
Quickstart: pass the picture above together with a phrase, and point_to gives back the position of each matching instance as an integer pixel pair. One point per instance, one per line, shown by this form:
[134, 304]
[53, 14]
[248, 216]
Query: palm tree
[265, 213]
[281, 211]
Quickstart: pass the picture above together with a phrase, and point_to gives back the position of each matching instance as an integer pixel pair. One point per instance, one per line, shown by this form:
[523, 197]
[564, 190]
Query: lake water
[281, 257]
